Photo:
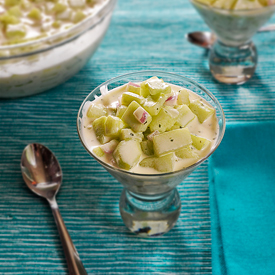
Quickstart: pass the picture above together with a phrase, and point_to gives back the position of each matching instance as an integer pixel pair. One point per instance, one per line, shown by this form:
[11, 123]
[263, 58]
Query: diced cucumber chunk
[133, 88]
[183, 97]
[106, 148]
[99, 125]
[8, 19]
[79, 16]
[171, 141]
[200, 142]
[175, 126]
[157, 87]
[129, 118]
[98, 152]
[127, 153]
[35, 14]
[128, 97]
[95, 111]
[144, 90]
[147, 147]
[12, 2]
[148, 162]
[201, 110]
[154, 86]
[59, 7]
[127, 134]
[15, 11]
[120, 110]
[113, 126]
[15, 31]
[56, 24]
[163, 121]
[99, 128]
[186, 152]
[185, 115]
[174, 113]
[153, 107]
[164, 163]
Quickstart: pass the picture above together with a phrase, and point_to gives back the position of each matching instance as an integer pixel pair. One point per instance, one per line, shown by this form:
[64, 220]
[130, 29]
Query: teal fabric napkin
[242, 200]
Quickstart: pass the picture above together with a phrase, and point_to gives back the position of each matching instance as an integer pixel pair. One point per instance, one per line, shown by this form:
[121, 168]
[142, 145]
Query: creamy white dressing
[208, 129]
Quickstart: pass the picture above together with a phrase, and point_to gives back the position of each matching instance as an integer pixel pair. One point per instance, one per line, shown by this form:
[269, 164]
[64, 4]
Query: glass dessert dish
[233, 57]
[35, 66]
[150, 204]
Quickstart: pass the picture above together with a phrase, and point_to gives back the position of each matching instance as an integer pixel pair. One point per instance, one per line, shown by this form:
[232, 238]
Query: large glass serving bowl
[150, 203]
[233, 57]
[34, 67]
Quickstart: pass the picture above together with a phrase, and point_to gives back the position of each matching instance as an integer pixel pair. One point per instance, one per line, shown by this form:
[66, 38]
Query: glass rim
[105, 9]
[233, 11]
[156, 73]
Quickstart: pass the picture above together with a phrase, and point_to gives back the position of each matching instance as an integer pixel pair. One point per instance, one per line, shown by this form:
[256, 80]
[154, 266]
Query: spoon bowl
[42, 173]
[201, 39]
[206, 39]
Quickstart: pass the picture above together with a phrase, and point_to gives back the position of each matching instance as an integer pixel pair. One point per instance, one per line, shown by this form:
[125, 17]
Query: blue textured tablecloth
[143, 35]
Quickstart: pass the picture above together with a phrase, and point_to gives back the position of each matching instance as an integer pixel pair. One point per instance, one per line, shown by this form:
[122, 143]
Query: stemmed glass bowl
[233, 57]
[150, 203]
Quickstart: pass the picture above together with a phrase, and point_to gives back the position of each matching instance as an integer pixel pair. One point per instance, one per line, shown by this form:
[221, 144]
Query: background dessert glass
[150, 203]
[233, 57]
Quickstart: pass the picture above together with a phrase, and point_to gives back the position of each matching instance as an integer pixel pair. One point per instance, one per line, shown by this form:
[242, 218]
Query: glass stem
[232, 65]
[231, 53]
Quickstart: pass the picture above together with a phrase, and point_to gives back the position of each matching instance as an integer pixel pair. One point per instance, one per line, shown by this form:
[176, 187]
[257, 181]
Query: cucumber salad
[149, 127]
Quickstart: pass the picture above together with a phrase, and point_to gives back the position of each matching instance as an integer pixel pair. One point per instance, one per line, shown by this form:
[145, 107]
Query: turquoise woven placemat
[143, 35]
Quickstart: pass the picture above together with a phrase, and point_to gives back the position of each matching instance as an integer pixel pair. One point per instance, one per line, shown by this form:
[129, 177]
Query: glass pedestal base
[150, 216]
[233, 65]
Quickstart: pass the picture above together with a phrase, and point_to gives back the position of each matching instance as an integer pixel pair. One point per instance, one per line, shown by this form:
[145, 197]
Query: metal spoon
[42, 174]
[207, 39]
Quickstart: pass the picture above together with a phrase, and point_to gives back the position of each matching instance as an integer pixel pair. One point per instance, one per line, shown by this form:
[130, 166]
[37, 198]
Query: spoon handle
[74, 263]
[267, 28]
